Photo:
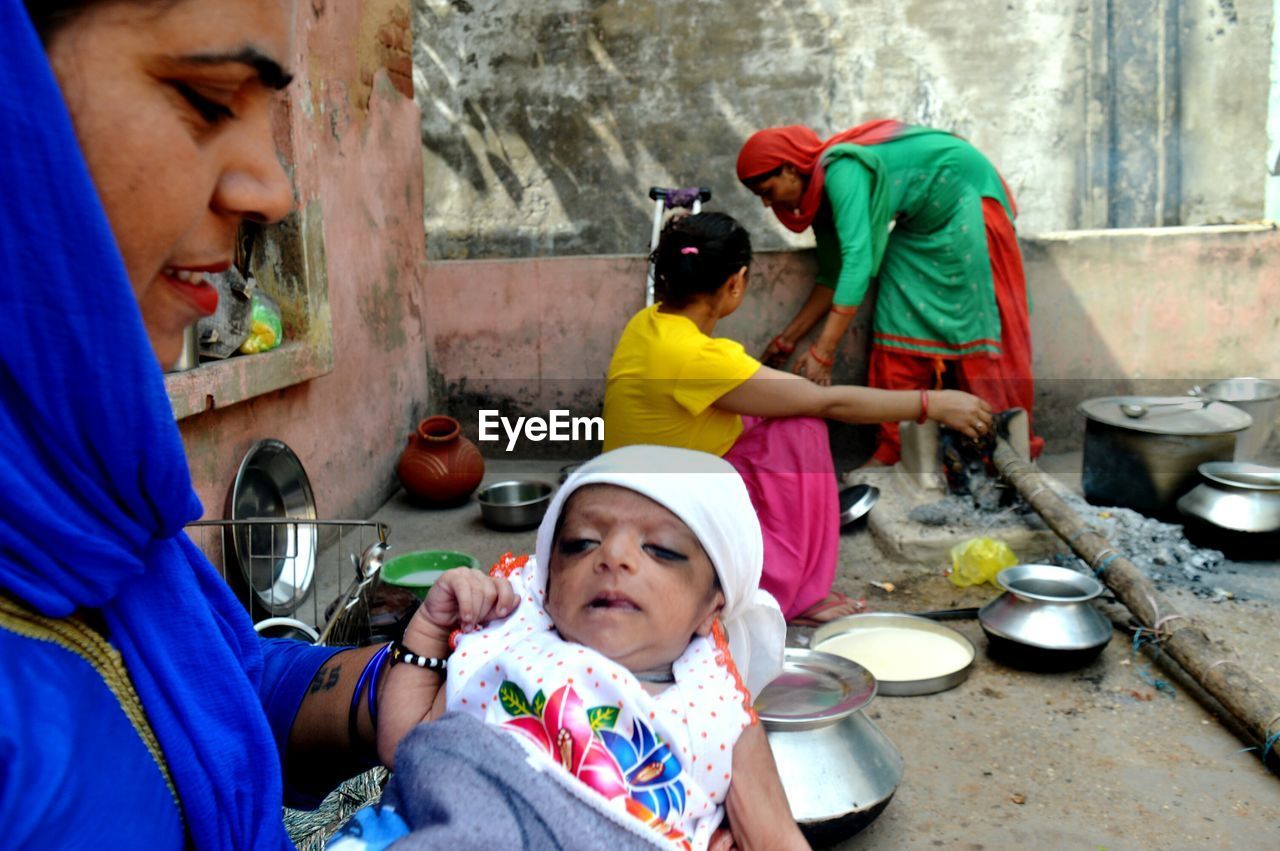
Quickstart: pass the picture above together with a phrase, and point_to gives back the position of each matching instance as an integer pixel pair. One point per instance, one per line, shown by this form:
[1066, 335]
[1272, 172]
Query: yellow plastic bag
[978, 560]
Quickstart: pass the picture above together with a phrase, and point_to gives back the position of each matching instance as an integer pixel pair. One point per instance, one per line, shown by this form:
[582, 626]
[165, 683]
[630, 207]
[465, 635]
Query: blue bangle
[354, 712]
[378, 667]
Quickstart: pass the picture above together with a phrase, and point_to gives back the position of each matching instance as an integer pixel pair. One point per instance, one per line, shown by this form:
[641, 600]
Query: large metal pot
[1045, 620]
[838, 770]
[1147, 463]
[1258, 398]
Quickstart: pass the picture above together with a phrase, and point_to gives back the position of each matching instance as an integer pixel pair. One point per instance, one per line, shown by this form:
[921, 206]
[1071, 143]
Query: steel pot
[1238, 497]
[1045, 619]
[1146, 464]
[1258, 398]
[838, 770]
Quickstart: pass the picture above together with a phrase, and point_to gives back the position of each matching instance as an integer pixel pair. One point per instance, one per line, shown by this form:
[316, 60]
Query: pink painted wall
[1111, 309]
[352, 146]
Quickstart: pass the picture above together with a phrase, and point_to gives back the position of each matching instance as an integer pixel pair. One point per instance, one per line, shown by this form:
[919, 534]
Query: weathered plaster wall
[545, 123]
[1114, 311]
[350, 143]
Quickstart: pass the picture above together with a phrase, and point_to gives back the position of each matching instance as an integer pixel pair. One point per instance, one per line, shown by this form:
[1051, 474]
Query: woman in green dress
[925, 214]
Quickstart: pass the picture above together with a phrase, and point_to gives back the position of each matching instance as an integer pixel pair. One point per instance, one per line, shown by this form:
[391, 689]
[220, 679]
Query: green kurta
[936, 295]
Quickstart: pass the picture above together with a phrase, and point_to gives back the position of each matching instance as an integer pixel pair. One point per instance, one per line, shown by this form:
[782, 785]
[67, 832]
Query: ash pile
[1160, 550]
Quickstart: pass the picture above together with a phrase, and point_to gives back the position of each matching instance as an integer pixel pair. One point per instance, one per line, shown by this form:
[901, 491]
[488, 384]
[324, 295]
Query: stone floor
[1095, 758]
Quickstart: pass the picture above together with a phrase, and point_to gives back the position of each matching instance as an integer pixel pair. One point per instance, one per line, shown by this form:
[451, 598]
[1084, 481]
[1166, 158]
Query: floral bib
[659, 764]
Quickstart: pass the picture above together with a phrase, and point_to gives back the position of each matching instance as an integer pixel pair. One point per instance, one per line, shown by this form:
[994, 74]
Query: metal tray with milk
[908, 655]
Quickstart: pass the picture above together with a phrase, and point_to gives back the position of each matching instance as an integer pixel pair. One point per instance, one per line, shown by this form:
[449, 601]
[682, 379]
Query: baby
[623, 658]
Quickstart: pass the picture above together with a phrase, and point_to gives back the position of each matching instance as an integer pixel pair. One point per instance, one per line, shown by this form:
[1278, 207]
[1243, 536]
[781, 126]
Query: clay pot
[440, 468]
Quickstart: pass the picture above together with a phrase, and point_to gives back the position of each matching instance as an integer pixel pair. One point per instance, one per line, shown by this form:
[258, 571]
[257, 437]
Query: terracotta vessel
[440, 468]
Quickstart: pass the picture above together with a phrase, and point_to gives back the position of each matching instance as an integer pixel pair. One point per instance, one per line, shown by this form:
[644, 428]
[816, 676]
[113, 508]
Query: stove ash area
[1160, 550]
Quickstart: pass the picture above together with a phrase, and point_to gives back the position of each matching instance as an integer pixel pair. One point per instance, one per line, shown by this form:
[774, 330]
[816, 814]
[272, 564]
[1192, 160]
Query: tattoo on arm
[325, 679]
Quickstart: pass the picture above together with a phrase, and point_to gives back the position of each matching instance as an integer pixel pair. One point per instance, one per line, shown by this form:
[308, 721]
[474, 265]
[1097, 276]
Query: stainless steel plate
[905, 625]
[814, 689]
[855, 501]
[276, 560]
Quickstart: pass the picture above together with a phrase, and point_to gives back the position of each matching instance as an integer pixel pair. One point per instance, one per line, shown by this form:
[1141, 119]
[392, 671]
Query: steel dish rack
[295, 569]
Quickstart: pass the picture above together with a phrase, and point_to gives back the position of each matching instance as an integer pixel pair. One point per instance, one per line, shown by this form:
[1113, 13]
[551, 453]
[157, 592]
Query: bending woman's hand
[777, 353]
[811, 368]
[961, 411]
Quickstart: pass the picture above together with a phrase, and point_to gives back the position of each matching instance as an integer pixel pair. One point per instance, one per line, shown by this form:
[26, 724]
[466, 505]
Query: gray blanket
[460, 783]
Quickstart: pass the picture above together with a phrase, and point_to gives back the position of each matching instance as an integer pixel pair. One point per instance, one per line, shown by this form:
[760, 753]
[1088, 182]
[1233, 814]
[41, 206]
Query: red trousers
[1003, 380]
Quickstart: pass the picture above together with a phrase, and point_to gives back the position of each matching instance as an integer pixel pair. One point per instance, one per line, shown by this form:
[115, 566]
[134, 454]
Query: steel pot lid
[1197, 418]
[814, 689]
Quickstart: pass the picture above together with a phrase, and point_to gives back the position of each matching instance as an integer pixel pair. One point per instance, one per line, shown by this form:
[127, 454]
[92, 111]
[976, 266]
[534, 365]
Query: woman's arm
[320, 751]
[759, 816]
[814, 308]
[771, 393]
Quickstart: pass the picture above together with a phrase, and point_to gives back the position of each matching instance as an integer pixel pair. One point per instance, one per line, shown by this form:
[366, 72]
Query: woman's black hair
[47, 16]
[696, 255]
[756, 179]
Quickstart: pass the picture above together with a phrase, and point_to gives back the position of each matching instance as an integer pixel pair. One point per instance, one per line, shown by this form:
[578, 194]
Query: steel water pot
[838, 769]
[1045, 619]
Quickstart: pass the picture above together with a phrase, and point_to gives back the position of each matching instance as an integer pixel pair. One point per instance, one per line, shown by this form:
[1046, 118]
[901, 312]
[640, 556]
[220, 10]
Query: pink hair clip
[689, 249]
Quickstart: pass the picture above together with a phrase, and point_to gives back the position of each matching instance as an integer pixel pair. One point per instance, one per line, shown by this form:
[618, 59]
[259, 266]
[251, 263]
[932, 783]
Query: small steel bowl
[286, 628]
[514, 505]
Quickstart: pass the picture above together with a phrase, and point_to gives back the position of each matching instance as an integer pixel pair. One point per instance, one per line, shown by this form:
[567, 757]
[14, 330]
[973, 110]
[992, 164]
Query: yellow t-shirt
[663, 380]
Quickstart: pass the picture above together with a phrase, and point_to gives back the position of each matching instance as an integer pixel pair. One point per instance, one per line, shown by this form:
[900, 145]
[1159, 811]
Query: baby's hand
[468, 598]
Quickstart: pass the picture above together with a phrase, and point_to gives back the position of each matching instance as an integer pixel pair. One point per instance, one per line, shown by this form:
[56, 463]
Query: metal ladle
[1136, 411]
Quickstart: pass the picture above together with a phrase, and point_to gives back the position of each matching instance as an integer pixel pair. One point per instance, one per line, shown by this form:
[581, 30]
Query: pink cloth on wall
[786, 464]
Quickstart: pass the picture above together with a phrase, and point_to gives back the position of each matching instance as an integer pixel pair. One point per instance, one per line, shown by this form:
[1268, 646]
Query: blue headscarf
[94, 485]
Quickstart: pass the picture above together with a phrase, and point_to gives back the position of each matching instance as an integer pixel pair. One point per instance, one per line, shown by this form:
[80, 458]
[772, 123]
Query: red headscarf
[801, 147]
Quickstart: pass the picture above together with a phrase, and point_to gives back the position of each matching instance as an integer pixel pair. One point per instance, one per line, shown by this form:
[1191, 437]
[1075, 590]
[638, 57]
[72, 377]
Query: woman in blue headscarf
[137, 706]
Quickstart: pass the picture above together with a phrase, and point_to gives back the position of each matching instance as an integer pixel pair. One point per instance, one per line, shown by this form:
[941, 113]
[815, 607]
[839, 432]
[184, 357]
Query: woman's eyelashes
[210, 110]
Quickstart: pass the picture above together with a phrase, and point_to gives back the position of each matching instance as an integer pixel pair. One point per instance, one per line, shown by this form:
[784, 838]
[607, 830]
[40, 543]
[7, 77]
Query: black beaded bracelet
[400, 653]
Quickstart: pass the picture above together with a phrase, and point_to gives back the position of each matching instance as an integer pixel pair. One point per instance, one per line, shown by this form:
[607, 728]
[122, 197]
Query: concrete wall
[544, 123]
[350, 145]
[1114, 312]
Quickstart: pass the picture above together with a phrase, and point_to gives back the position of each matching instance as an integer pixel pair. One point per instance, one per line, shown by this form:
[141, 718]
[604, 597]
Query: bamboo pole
[1210, 664]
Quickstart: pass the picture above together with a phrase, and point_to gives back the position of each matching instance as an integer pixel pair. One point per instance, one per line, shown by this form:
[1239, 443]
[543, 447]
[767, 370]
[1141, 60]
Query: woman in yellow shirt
[671, 383]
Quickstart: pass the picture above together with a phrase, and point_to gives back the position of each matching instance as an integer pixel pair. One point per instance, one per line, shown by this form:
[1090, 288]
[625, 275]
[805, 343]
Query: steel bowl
[1235, 496]
[514, 505]
[287, 628]
[275, 560]
[875, 622]
[838, 769]
[1045, 620]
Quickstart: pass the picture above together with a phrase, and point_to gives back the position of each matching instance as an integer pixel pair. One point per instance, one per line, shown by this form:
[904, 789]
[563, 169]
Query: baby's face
[629, 579]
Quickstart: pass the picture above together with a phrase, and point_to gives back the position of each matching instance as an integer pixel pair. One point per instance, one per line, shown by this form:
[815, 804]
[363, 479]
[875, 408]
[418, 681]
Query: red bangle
[783, 346]
[820, 359]
[843, 310]
[924, 406]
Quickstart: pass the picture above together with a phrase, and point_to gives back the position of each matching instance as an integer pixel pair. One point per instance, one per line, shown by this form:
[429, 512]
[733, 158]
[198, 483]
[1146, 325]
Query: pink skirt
[786, 464]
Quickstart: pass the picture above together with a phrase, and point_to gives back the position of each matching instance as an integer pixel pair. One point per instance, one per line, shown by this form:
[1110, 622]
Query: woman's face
[171, 103]
[628, 578]
[784, 189]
